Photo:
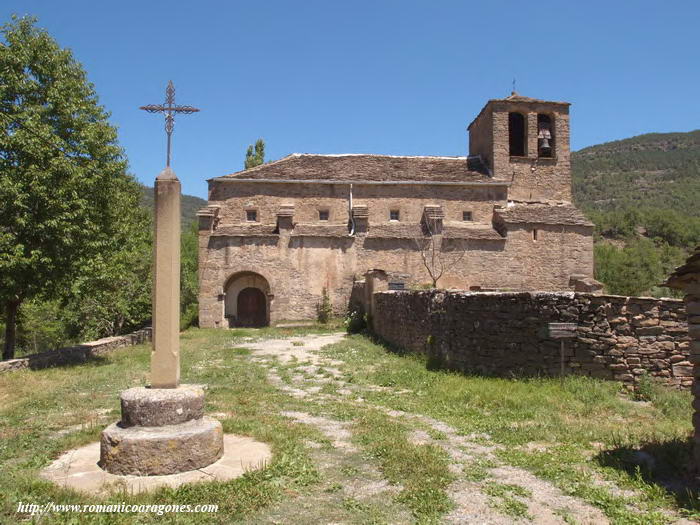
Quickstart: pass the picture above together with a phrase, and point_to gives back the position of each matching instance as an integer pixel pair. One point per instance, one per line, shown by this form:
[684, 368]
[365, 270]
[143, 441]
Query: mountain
[657, 170]
[189, 205]
[641, 193]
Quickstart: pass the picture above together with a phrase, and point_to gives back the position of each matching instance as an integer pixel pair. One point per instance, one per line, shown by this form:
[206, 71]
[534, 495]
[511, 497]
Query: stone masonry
[273, 237]
[504, 334]
[78, 353]
[687, 279]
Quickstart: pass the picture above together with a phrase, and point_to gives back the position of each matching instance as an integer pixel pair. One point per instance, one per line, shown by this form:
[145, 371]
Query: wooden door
[251, 307]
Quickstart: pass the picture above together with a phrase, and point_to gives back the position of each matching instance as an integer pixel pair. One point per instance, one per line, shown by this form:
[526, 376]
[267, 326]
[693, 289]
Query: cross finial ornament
[169, 108]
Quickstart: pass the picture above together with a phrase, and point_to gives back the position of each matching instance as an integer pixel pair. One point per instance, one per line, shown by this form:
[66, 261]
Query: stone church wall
[308, 199]
[298, 267]
[504, 334]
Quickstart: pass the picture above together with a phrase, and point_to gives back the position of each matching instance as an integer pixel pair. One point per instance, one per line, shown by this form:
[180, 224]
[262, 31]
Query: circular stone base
[151, 451]
[156, 407]
[78, 470]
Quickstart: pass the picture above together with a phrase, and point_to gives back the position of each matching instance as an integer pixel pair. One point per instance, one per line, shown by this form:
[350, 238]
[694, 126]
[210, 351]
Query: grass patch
[503, 497]
[38, 404]
[420, 469]
[574, 421]
[582, 434]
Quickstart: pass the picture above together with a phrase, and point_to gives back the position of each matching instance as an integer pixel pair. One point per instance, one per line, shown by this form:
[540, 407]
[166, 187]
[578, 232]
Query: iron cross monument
[165, 358]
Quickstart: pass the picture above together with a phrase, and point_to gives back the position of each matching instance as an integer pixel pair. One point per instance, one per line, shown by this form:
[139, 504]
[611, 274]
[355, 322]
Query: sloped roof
[689, 273]
[320, 230]
[245, 230]
[396, 230]
[456, 230]
[517, 97]
[351, 167]
[542, 213]
[450, 230]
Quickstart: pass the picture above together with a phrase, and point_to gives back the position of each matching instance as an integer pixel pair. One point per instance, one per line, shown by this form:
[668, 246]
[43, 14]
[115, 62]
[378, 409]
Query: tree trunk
[8, 351]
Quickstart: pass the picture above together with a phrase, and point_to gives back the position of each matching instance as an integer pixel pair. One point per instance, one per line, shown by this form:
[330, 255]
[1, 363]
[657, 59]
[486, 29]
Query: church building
[275, 236]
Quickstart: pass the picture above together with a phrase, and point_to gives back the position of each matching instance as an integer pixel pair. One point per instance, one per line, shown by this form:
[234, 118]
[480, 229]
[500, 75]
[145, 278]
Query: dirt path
[353, 489]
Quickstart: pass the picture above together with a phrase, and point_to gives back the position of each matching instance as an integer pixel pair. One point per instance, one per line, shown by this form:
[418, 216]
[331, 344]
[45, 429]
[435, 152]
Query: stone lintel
[360, 211]
[286, 210]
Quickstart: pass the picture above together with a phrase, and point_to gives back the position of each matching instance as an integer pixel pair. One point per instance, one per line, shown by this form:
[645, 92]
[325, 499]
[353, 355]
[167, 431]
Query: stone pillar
[165, 357]
[163, 429]
[433, 215]
[375, 281]
[692, 306]
[687, 278]
[285, 217]
[360, 217]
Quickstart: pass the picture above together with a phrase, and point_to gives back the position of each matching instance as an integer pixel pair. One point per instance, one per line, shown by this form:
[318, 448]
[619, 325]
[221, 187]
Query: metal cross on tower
[169, 108]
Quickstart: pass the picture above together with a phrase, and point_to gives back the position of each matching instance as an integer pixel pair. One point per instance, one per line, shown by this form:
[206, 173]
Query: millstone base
[155, 451]
[156, 407]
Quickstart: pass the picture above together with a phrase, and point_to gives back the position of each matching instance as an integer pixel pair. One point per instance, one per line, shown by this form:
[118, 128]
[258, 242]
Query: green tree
[64, 189]
[112, 292]
[633, 270]
[255, 157]
[189, 284]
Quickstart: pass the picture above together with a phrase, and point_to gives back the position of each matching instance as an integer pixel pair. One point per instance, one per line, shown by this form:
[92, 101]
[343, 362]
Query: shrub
[324, 310]
[355, 322]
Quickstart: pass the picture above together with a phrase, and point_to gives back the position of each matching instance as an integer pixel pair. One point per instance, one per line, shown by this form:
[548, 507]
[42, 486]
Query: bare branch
[435, 258]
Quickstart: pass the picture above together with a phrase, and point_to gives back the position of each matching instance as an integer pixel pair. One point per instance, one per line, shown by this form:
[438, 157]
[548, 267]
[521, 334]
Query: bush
[355, 322]
[324, 310]
[189, 316]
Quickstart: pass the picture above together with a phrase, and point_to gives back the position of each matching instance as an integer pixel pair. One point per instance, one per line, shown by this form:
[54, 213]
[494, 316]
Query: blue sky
[388, 77]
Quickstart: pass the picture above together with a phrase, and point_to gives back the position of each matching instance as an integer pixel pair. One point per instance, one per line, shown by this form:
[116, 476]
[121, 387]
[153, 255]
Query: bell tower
[526, 142]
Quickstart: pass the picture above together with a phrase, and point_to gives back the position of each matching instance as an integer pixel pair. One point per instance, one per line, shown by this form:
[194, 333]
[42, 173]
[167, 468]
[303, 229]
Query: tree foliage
[189, 283]
[70, 223]
[255, 156]
[642, 195]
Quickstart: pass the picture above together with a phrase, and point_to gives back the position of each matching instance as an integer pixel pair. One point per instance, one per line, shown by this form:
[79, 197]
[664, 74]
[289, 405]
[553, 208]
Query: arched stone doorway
[247, 301]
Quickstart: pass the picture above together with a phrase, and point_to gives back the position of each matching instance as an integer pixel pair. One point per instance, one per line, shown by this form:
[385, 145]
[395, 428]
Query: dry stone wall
[78, 353]
[617, 338]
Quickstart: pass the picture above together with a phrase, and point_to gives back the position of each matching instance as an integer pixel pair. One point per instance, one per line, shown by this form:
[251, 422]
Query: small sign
[562, 330]
[396, 286]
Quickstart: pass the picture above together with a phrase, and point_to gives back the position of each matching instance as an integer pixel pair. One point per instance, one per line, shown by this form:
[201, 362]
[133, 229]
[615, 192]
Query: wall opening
[247, 300]
[545, 136]
[516, 134]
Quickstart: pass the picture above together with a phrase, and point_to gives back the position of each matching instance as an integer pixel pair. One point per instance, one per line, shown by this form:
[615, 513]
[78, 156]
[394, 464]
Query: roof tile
[368, 168]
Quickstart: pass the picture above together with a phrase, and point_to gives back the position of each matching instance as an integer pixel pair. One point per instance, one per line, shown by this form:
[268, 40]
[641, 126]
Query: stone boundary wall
[78, 353]
[504, 334]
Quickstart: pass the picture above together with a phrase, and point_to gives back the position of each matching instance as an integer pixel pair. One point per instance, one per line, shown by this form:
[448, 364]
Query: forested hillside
[642, 194]
[188, 206]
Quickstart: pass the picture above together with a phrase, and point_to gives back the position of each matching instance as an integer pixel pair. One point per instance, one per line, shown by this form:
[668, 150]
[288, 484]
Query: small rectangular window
[251, 215]
[534, 235]
[394, 215]
[323, 215]
[466, 216]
